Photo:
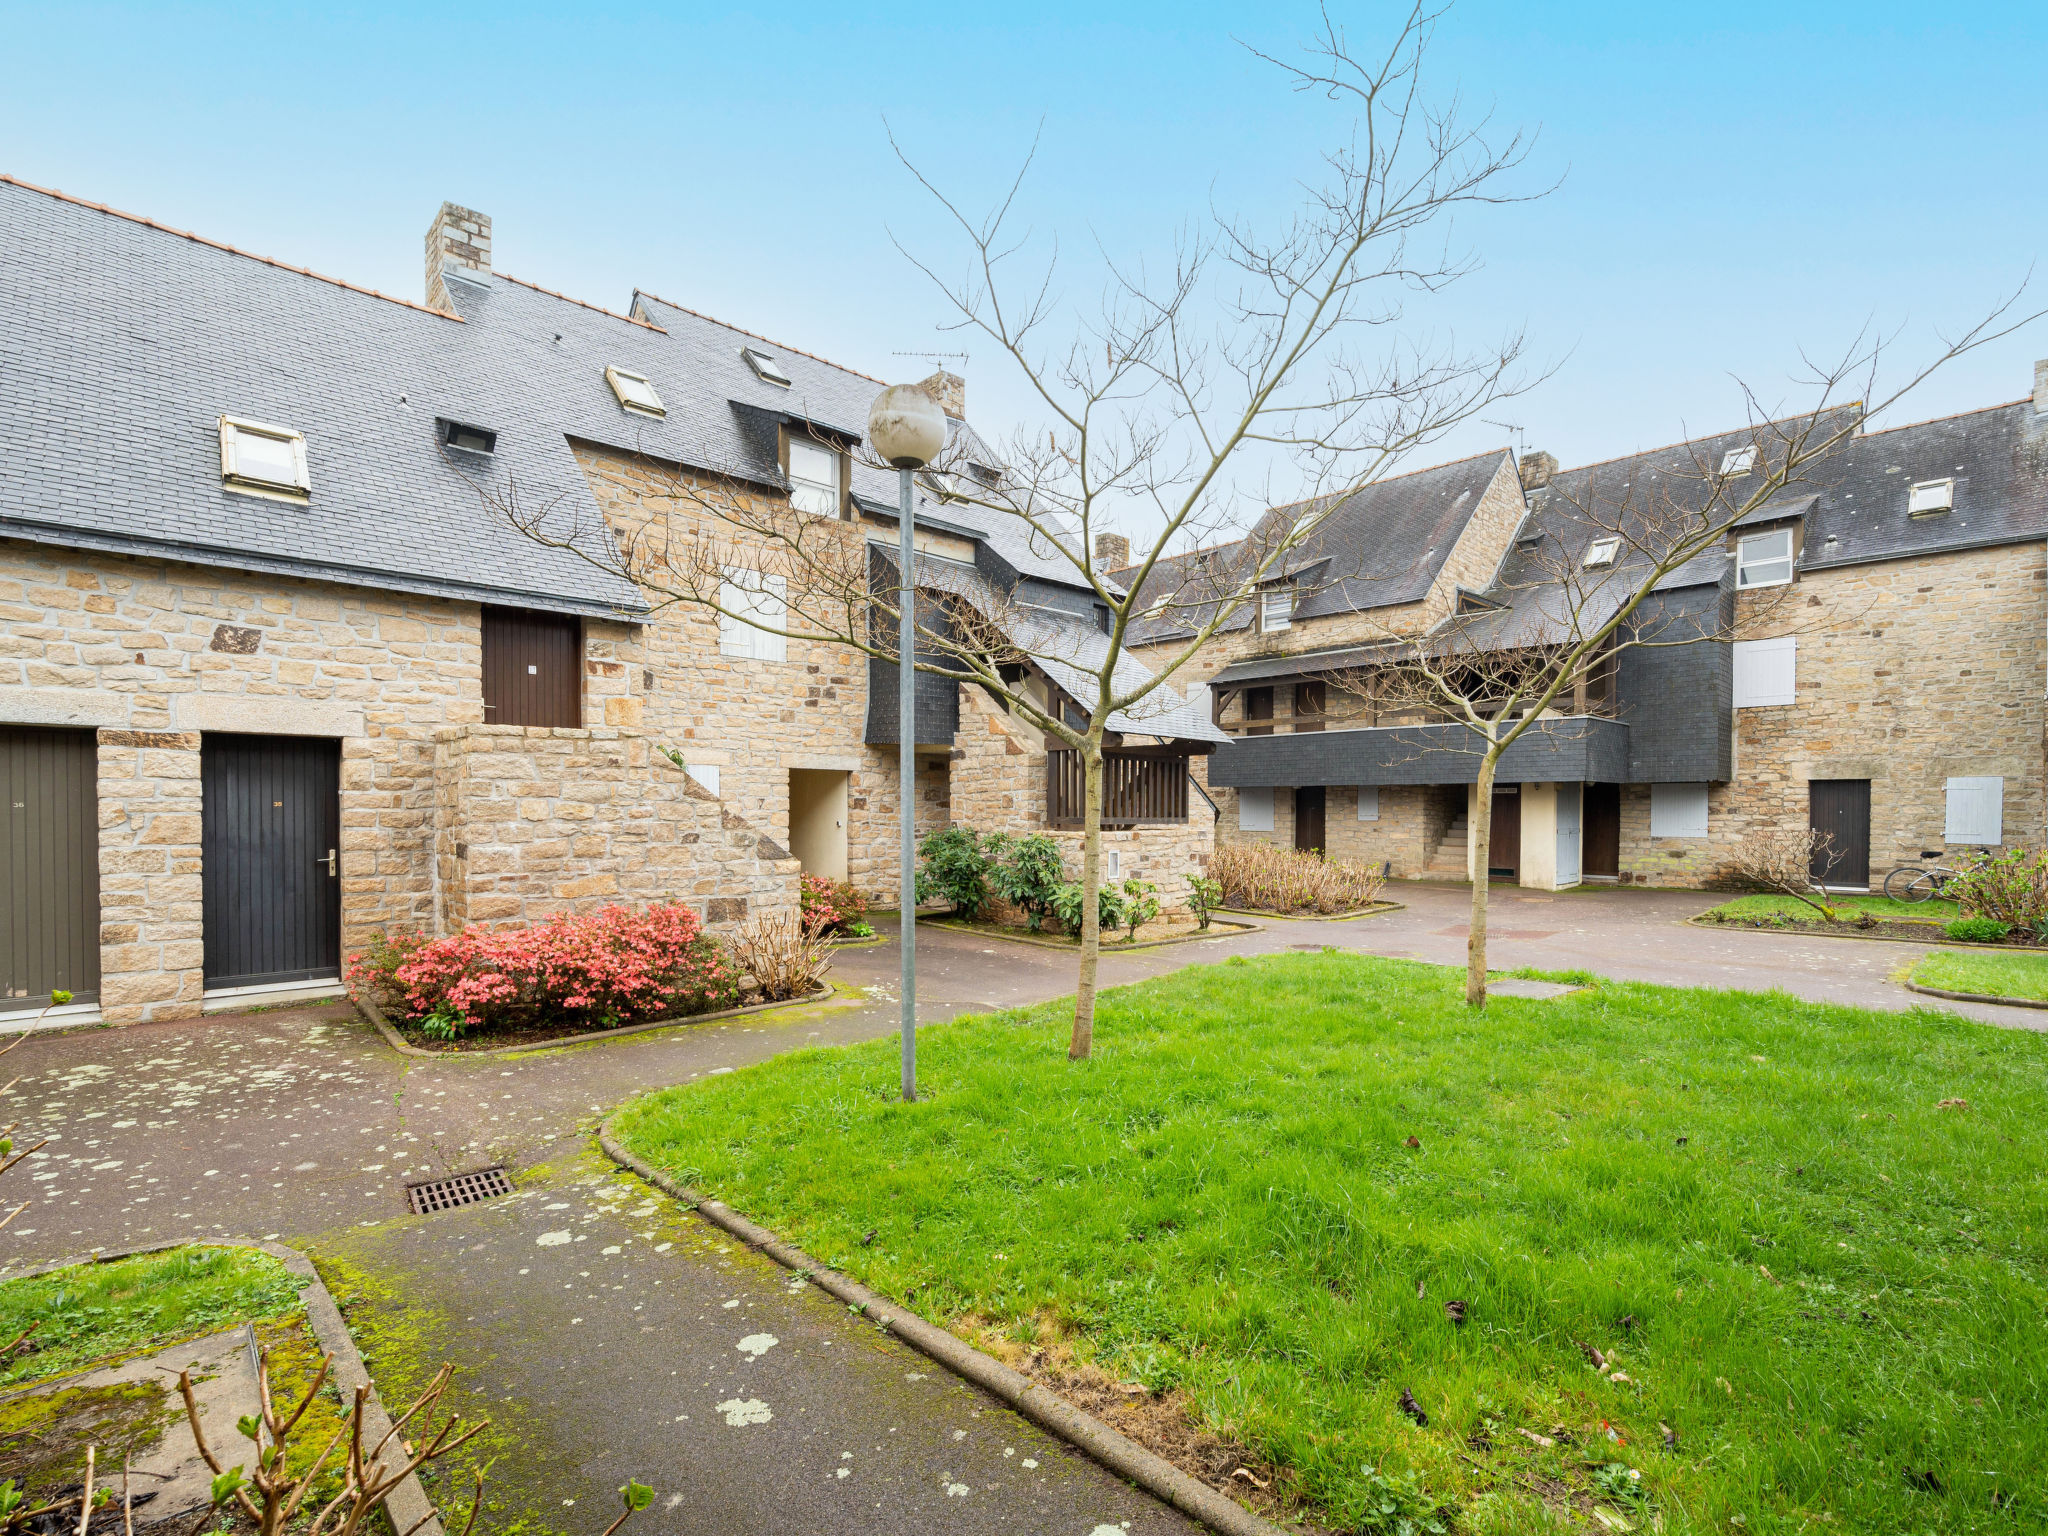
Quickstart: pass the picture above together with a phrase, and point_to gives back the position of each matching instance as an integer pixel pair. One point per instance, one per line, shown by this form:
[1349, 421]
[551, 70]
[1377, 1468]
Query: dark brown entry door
[1504, 850]
[1602, 845]
[531, 671]
[49, 866]
[1308, 818]
[1840, 809]
[1258, 707]
[270, 846]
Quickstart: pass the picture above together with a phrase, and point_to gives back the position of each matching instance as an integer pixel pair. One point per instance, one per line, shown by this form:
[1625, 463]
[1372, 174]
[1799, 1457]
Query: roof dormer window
[813, 477]
[1276, 610]
[1929, 497]
[765, 367]
[635, 392]
[264, 459]
[1739, 461]
[1602, 552]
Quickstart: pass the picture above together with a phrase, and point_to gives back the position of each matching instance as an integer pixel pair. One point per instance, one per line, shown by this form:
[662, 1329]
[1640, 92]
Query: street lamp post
[907, 428]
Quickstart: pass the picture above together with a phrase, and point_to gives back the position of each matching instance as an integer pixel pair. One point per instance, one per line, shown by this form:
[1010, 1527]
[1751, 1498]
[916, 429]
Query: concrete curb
[1119, 1454]
[375, 1015]
[1375, 910]
[1977, 997]
[407, 1503]
[1110, 947]
[1823, 931]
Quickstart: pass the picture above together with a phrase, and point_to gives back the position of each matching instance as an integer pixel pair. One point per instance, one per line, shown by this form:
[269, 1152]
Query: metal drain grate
[463, 1189]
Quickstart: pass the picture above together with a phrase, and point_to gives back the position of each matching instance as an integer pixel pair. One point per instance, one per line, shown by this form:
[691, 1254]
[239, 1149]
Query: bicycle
[1918, 882]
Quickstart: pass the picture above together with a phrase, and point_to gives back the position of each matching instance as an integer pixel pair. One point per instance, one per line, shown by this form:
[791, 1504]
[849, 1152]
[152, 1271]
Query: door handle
[329, 861]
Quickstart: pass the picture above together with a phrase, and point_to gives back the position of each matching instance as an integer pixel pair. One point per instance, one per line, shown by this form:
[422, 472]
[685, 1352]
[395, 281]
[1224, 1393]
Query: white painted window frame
[1745, 562]
[635, 391]
[819, 498]
[1276, 610]
[237, 474]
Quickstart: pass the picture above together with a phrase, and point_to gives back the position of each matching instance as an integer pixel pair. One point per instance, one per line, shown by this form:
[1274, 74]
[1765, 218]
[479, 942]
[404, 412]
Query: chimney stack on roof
[1112, 551]
[2041, 385]
[1537, 469]
[950, 390]
[458, 247]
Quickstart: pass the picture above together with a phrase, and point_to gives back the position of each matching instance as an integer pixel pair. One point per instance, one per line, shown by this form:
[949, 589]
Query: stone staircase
[1448, 861]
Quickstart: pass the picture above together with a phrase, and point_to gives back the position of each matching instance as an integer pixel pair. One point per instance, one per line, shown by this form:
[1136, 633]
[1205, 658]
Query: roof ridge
[1359, 490]
[581, 303]
[220, 245]
[1928, 421]
[1643, 453]
[646, 293]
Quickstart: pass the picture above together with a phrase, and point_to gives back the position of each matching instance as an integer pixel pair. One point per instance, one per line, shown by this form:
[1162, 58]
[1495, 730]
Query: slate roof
[125, 343]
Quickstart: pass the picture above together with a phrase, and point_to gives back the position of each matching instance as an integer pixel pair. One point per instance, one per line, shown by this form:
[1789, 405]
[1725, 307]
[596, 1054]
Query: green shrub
[1029, 876]
[2010, 887]
[1067, 907]
[1204, 896]
[1141, 905]
[1977, 930]
[956, 867]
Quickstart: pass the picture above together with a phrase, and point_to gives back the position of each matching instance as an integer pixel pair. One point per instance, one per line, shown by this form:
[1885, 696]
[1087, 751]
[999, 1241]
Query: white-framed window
[813, 477]
[1255, 810]
[1276, 609]
[1930, 496]
[1113, 865]
[1602, 552]
[1976, 811]
[765, 599]
[1678, 810]
[1739, 461]
[635, 392]
[1764, 559]
[1368, 802]
[1766, 671]
[263, 458]
[765, 366]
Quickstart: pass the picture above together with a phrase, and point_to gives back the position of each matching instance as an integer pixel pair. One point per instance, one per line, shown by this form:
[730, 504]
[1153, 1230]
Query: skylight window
[765, 366]
[813, 478]
[635, 392]
[255, 457]
[1738, 461]
[455, 434]
[1930, 496]
[1602, 552]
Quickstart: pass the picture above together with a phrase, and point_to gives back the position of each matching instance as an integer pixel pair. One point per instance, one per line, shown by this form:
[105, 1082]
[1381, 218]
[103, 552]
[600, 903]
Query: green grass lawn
[1829, 1288]
[92, 1312]
[1882, 908]
[1987, 971]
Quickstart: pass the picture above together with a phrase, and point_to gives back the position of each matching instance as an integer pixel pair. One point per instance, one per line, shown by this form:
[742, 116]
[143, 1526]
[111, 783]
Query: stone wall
[1411, 822]
[530, 823]
[152, 940]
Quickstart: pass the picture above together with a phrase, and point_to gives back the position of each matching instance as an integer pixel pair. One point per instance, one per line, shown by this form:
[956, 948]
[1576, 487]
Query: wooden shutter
[533, 672]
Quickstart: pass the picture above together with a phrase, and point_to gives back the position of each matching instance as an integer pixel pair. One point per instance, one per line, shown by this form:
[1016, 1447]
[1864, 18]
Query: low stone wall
[533, 822]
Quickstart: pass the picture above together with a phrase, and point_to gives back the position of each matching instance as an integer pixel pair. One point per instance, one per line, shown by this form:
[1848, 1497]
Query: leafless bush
[785, 955]
[1267, 878]
[1782, 859]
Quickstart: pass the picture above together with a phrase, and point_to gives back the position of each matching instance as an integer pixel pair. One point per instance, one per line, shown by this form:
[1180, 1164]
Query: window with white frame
[1255, 810]
[1602, 552]
[749, 595]
[1276, 609]
[1738, 461]
[765, 366]
[1766, 671]
[1113, 858]
[1764, 559]
[1678, 810]
[1368, 802]
[635, 392]
[256, 457]
[1976, 811]
[813, 477]
[1930, 496]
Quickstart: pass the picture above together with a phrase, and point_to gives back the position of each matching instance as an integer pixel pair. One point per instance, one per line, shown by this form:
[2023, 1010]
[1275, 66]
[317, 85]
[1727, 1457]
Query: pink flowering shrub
[833, 907]
[594, 971]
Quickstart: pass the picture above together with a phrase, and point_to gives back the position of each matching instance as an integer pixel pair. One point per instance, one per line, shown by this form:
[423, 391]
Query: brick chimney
[2041, 385]
[458, 248]
[1537, 469]
[1112, 551]
[949, 389]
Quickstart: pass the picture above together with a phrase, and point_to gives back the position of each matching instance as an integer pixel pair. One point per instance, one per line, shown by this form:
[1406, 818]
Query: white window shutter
[1255, 810]
[1976, 811]
[748, 594]
[734, 638]
[1368, 802]
[1766, 671]
[1678, 810]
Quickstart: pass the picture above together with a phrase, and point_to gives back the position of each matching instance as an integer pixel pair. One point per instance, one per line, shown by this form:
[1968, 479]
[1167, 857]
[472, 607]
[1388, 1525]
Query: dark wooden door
[1504, 847]
[270, 858]
[1840, 808]
[532, 671]
[49, 866]
[1308, 818]
[1310, 702]
[1603, 830]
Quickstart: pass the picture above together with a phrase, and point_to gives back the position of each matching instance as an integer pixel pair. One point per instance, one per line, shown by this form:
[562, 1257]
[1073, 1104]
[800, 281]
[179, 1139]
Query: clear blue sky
[1740, 180]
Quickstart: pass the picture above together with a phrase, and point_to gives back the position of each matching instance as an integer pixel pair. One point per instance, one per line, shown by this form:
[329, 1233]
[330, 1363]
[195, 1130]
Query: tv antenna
[1521, 434]
[939, 358]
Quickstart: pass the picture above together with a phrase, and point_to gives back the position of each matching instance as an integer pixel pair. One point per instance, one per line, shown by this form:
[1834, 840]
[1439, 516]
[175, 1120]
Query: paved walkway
[625, 1338]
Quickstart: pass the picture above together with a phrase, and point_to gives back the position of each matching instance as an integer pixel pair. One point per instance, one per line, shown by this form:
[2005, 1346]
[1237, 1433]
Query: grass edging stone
[1976, 997]
[1073, 946]
[407, 1504]
[1117, 1452]
[1835, 931]
[367, 1007]
[1317, 917]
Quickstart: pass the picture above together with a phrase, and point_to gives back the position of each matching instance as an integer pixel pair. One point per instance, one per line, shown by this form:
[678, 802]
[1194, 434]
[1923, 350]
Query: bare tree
[1493, 671]
[1257, 353]
[1782, 859]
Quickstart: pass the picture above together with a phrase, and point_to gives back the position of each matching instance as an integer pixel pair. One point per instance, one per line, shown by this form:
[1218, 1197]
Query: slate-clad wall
[1573, 749]
[1676, 693]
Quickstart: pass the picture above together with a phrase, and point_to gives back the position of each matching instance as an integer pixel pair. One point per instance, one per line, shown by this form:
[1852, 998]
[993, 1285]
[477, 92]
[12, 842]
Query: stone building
[283, 665]
[1868, 655]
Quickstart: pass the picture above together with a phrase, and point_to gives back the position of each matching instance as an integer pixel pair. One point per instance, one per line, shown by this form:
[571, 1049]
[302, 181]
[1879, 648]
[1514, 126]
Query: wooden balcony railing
[1138, 789]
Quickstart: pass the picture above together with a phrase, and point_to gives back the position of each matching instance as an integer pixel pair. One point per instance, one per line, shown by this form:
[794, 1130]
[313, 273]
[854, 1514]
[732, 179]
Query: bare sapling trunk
[1480, 860]
[1083, 1040]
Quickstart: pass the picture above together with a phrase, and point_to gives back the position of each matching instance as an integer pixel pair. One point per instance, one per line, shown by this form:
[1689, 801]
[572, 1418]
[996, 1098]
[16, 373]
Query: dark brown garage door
[531, 671]
[1309, 833]
[270, 851]
[1840, 808]
[1504, 843]
[1603, 831]
[49, 866]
